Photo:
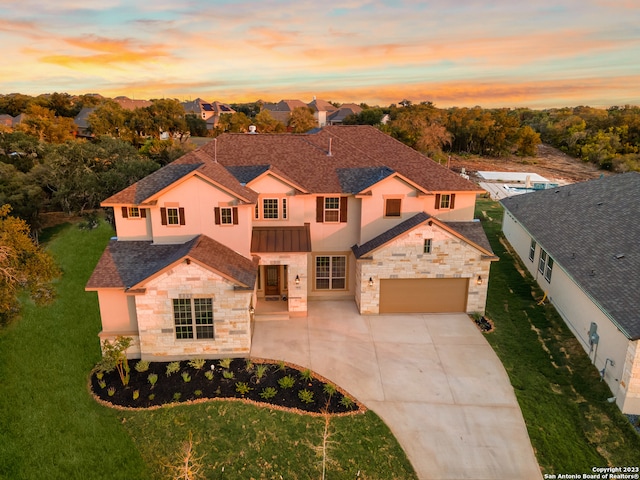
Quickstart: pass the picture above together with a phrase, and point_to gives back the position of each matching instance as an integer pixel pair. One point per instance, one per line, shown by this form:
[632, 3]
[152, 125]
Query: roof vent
[592, 273]
[619, 256]
[599, 203]
[329, 153]
[252, 129]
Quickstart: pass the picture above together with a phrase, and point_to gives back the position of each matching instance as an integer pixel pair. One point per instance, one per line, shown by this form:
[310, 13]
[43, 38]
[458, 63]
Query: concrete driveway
[433, 379]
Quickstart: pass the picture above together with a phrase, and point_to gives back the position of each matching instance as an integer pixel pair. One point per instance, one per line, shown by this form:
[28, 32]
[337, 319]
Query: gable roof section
[127, 265]
[197, 161]
[584, 227]
[470, 232]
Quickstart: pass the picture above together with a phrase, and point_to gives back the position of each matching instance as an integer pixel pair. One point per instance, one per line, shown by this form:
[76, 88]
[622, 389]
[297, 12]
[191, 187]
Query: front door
[272, 274]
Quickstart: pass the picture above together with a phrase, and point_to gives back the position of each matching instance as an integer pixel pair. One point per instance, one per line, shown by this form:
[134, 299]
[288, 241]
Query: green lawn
[51, 428]
[572, 426]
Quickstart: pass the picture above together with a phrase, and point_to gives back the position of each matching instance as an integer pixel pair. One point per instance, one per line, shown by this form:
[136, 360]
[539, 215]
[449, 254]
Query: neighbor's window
[445, 200]
[392, 207]
[193, 315]
[270, 208]
[332, 209]
[532, 250]
[427, 245]
[331, 272]
[545, 265]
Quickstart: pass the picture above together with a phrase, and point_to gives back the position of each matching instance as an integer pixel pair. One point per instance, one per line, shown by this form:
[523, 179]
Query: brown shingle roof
[127, 264]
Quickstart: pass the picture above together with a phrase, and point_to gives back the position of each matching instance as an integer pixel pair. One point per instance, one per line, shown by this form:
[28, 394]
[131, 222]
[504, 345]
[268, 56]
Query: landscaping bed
[282, 385]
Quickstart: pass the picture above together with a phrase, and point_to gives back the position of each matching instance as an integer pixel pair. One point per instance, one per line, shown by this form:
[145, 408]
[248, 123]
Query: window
[427, 245]
[392, 207]
[545, 265]
[134, 212]
[284, 208]
[445, 201]
[332, 209]
[331, 272]
[172, 216]
[193, 314]
[226, 215]
[532, 250]
[270, 208]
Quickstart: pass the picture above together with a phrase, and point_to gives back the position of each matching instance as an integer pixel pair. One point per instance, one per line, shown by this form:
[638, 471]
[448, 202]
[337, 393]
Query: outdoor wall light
[252, 310]
[479, 280]
[370, 282]
[297, 280]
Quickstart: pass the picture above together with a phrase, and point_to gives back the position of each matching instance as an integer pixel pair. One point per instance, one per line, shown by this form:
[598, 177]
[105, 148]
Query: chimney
[252, 129]
[329, 154]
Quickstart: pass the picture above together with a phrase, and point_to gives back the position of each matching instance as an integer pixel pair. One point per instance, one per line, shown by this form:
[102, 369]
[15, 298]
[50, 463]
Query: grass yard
[51, 428]
[571, 425]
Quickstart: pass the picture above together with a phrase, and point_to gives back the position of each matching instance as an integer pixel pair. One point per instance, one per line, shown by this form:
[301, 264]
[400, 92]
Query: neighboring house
[321, 110]
[338, 116]
[249, 223]
[130, 104]
[281, 111]
[209, 111]
[6, 120]
[82, 121]
[581, 242]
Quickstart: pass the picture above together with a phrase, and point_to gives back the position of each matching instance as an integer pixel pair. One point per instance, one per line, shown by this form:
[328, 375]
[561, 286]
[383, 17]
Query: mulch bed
[174, 389]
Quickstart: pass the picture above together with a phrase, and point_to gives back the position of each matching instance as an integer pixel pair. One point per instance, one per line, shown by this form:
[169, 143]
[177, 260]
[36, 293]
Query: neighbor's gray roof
[124, 264]
[585, 227]
[470, 231]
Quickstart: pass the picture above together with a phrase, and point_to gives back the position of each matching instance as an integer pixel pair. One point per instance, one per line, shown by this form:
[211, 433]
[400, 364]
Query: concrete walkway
[433, 379]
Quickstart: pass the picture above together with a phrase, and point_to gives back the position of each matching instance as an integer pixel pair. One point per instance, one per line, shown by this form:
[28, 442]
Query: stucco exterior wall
[117, 311]
[230, 315]
[464, 210]
[199, 198]
[333, 237]
[578, 311]
[404, 258]
[132, 228]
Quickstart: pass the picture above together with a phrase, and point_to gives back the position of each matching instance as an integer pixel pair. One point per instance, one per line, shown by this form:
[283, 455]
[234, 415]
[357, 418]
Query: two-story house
[249, 221]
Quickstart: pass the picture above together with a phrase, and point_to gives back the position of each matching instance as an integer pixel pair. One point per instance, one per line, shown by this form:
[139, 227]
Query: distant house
[338, 116]
[282, 110]
[581, 242]
[210, 112]
[321, 111]
[129, 104]
[249, 223]
[82, 122]
[6, 120]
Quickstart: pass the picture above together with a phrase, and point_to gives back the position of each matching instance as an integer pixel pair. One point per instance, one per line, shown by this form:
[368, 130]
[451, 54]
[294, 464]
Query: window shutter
[343, 209]
[234, 214]
[125, 212]
[452, 202]
[163, 216]
[437, 201]
[143, 212]
[319, 209]
[216, 214]
[181, 215]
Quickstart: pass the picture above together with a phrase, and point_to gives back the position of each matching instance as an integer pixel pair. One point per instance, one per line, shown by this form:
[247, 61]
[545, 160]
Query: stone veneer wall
[450, 257]
[296, 265]
[628, 396]
[232, 327]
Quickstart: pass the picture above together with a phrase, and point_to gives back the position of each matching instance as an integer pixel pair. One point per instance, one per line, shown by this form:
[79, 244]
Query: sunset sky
[501, 53]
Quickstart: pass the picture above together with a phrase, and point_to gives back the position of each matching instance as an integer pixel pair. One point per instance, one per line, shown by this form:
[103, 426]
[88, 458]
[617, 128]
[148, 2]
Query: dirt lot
[551, 163]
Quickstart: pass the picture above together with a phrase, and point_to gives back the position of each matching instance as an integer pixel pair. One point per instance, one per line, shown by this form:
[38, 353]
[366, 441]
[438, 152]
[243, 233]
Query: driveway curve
[433, 379]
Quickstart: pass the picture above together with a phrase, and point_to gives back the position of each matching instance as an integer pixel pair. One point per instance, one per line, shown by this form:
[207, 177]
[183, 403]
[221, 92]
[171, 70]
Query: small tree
[114, 356]
[302, 120]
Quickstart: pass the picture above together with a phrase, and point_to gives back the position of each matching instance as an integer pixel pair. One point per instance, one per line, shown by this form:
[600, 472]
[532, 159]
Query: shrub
[186, 377]
[224, 362]
[346, 402]
[136, 394]
[305, 396]
[142, 366]
[111, 391]
[99, 375]
[261, 371]
[209, 374]
[114, 357]
[242, 388]
[102, 383]
[197, 363]
[248, 365]
[173, 367]
[330, 389]
[268, 393]
[151, 396]
[281, 365]
[306, 375]
[152, 378]
[197, 393]
[228, 374]
[177, 396]
[287, 382]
